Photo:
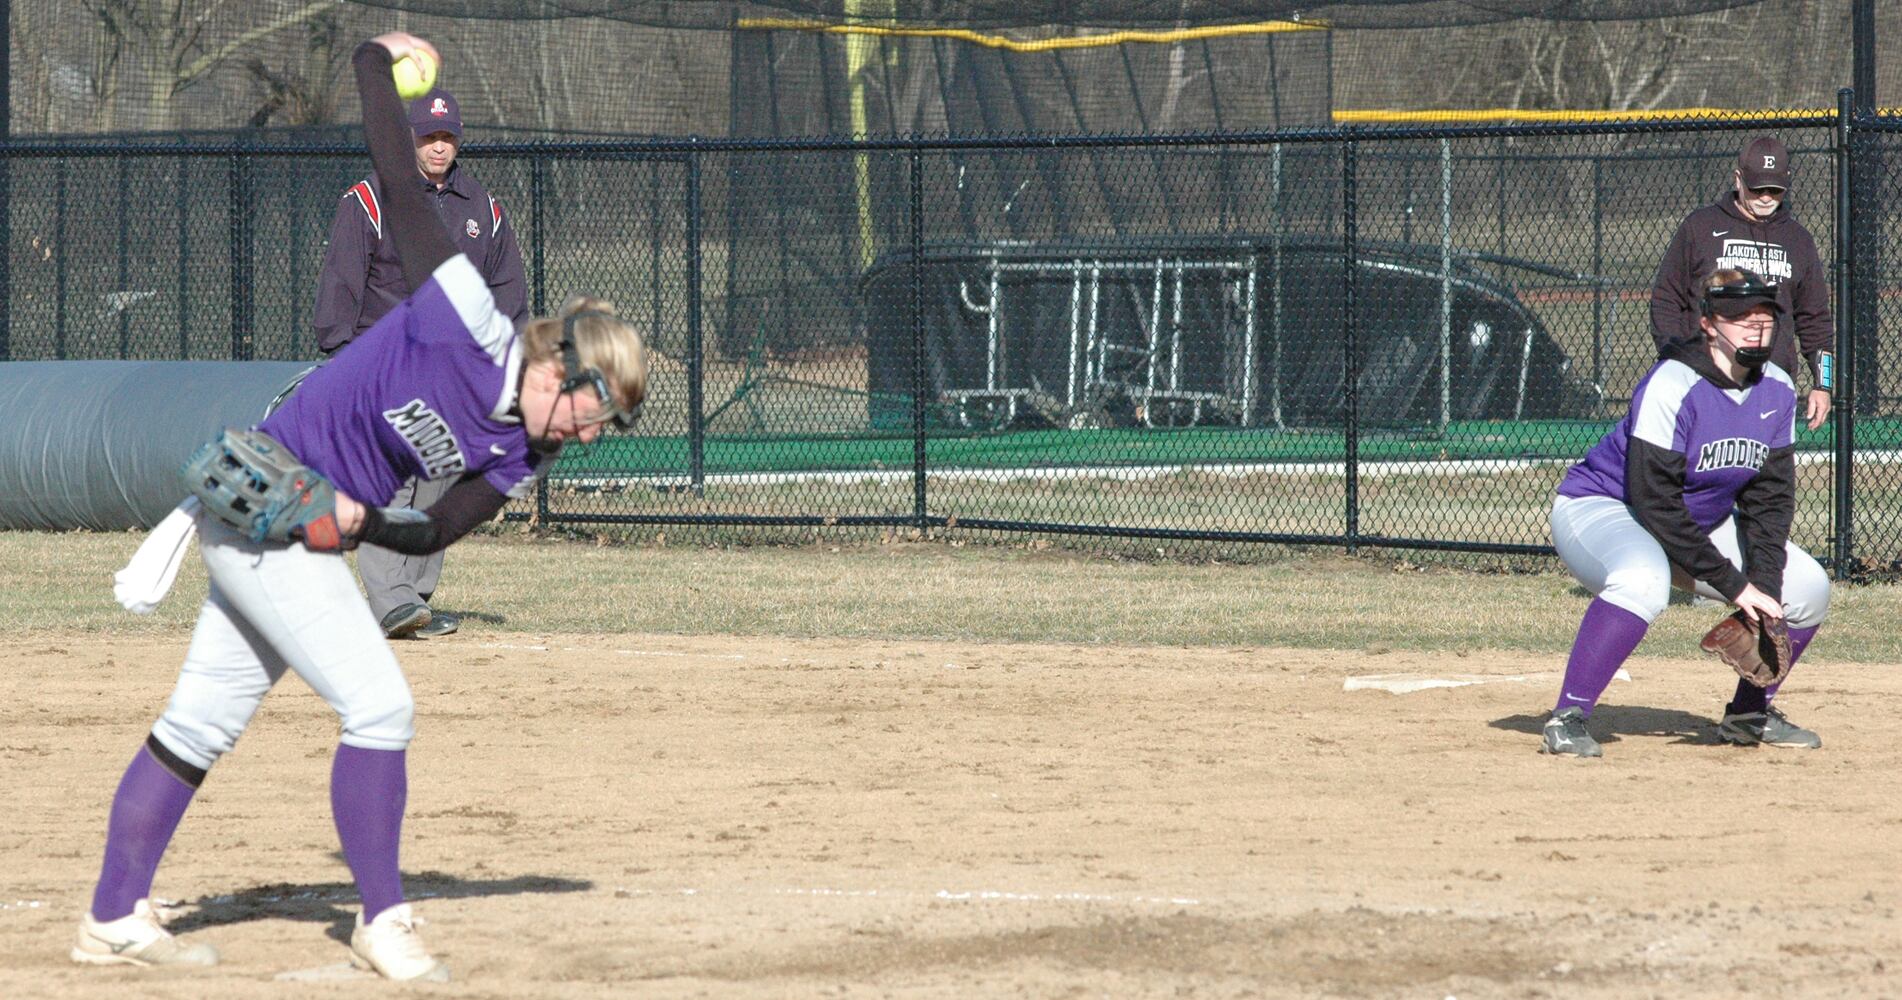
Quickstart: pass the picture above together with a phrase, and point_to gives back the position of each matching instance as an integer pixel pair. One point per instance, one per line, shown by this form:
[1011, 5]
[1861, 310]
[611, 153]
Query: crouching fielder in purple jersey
[1695, 489]
[443, 387]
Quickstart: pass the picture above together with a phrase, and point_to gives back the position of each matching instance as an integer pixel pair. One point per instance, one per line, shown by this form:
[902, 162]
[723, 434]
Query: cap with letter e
[1765, 163]
[435, 111]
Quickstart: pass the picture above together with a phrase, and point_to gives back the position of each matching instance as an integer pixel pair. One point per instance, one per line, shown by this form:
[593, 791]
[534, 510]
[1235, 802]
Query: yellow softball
[415, 74]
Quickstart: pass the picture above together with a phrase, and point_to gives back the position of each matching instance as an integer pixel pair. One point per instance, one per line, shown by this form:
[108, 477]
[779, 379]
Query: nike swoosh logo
[1767, 414]
[497, 449]
[1719, 232]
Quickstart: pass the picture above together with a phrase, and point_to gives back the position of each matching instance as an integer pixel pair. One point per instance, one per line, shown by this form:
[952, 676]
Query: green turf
[1560, 439]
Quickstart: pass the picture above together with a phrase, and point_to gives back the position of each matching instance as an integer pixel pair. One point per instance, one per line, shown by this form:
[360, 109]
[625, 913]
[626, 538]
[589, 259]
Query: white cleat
[390, 947]
[137, 939]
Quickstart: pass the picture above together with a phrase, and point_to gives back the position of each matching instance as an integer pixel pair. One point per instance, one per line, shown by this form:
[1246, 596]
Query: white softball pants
[274, 606]
[1616, 558]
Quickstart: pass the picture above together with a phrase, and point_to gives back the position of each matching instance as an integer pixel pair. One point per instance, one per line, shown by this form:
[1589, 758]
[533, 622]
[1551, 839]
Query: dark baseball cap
[1736, 297]
[435, 111]
[1765, 162]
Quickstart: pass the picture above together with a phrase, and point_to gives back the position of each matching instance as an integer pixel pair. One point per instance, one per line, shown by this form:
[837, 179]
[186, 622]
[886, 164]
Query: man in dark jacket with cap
[363, 279]
[1751, 228]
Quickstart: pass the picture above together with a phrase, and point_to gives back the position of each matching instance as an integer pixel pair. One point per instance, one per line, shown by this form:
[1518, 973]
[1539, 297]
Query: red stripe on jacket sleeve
[370, 207]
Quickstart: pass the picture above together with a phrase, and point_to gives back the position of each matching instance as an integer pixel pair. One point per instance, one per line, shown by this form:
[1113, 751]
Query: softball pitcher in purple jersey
[441, 388]
[1696, 489]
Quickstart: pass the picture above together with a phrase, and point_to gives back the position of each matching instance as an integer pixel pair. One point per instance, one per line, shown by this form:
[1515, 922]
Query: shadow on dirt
[1610, 722]
[334, 903]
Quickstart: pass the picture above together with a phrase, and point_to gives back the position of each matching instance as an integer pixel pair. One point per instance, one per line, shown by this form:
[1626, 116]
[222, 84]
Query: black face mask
[1748, 287]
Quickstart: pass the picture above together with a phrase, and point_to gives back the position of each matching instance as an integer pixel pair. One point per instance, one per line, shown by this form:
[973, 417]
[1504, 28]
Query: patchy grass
[518, 582]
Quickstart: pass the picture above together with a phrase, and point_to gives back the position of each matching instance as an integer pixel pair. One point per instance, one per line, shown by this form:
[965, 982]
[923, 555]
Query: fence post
[538, 284]
[917, 213]
[1849, 294]
[1350, 340]
[1598, 274]
[6, 181]
[123, 275]
[238, 206]
[59, 258]
[1446, 280]
[181, 210]
[1861, 378]
[656, 249]
[6, 259]
[696, 344]
[1499, 187]
[537, 248]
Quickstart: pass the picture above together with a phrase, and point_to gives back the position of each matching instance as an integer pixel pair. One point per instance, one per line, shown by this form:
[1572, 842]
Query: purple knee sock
[145, 813]
[1751, 698]
[1605, 640]
[368, 789]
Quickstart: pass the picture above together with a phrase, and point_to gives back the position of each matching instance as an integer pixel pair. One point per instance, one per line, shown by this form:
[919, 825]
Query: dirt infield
[666, 816]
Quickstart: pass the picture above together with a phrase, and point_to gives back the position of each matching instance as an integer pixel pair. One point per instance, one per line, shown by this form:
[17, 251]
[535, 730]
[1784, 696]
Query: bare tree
[304, 92]
[150, 50]
[1608, 66]
[1784, 54]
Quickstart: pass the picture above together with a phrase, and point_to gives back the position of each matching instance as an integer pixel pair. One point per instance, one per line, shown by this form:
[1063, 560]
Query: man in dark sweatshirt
[1751, 228]
[363, 280]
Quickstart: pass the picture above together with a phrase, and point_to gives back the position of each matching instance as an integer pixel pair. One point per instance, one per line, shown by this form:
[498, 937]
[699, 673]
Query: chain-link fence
[1346, 337]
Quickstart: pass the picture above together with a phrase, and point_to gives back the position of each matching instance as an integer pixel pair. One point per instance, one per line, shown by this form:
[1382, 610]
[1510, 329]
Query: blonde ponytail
[605, 341]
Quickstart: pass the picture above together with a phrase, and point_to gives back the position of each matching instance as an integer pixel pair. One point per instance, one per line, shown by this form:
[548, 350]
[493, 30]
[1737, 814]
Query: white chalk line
[953, 895]
[307, 896]
[1138, 473]
[24, 904]
[618, 652]
[1409, 683]
[1124, 473]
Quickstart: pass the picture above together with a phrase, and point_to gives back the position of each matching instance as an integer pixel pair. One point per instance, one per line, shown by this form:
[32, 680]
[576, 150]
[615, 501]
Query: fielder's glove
[254, 485]
[1758, 650]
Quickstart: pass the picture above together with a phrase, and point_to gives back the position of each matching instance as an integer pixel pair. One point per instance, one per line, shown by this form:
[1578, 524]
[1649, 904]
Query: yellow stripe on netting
[1440, 116]
[1040, 45]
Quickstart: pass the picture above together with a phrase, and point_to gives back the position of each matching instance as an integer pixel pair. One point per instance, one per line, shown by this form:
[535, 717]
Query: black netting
[859, 67]
[1081, 13]
[1232, 320]
[826, 83]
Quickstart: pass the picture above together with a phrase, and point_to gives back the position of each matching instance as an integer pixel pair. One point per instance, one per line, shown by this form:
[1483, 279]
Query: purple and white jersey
[425, 393]
[1723, 434]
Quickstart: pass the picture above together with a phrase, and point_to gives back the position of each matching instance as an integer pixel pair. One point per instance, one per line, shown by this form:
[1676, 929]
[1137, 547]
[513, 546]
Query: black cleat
[405, 620]
[440, 623]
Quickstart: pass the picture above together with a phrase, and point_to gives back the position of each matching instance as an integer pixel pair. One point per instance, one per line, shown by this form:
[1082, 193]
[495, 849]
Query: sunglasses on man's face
[1764, 192]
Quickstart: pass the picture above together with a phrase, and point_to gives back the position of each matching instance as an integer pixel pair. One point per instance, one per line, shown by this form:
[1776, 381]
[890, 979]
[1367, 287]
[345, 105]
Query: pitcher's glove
[256, 486]
[1758, 651]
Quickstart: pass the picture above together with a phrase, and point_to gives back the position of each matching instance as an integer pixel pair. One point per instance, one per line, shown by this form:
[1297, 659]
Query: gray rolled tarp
[98, 444]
